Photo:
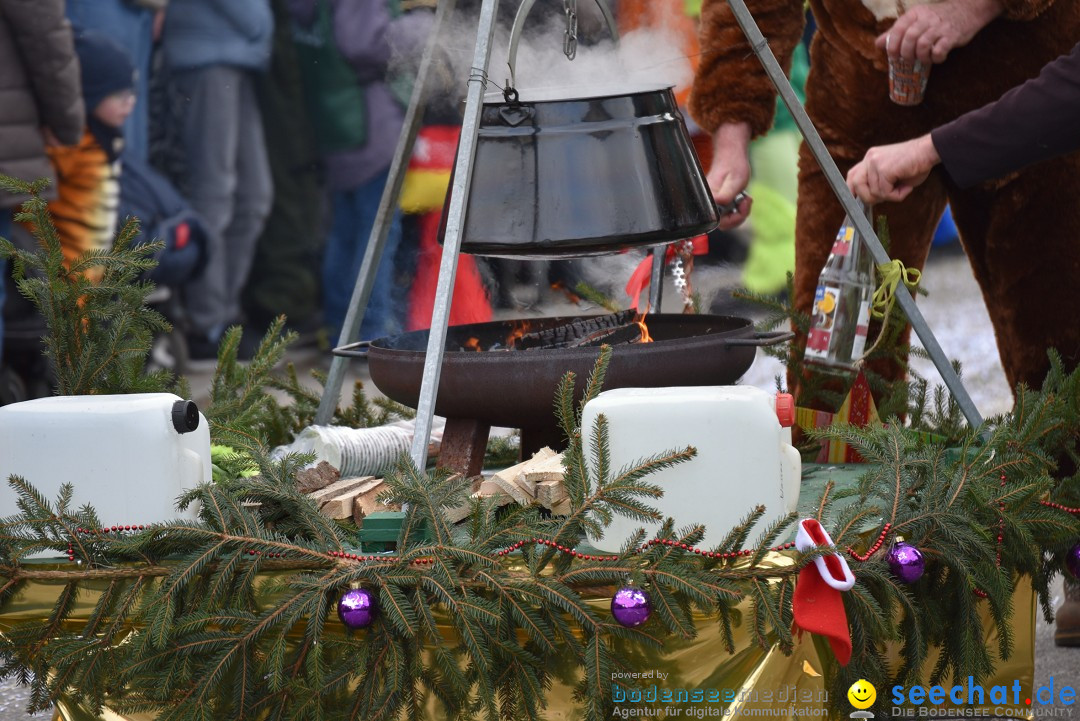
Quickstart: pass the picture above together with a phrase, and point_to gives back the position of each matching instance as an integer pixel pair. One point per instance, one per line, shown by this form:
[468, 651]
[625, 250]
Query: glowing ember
[645, 337]
[472, 344]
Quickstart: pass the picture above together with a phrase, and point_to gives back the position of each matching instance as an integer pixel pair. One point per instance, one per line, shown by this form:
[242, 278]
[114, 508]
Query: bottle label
[826, 300]
[862, 327]
[842, 245]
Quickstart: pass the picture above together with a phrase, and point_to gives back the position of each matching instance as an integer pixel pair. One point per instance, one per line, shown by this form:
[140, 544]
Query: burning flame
[518, 329]
[473, 344]
[645, 337]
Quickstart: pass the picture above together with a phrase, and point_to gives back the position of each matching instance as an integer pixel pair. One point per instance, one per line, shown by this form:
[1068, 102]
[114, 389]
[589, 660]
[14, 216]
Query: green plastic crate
[380, 531]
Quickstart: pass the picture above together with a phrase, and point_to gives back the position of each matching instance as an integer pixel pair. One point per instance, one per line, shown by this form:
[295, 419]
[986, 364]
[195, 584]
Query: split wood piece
[323, 495]
[549, 469]
[562, 508]
[546, 478]
[367, 502]
[491, 489]
[550, 493]
[512, 480]
[341, 506]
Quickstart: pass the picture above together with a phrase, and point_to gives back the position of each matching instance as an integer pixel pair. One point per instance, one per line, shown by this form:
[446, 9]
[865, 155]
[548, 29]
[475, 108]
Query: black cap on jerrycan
[185, 416]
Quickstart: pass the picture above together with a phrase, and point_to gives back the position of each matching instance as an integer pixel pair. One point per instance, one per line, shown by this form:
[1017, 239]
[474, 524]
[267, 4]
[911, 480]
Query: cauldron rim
[570, 93]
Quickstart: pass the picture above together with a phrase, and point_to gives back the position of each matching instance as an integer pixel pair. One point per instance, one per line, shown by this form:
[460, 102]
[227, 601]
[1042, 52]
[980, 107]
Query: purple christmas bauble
[1072, 561]
[906, 562]
[631, 606]
[356, 609]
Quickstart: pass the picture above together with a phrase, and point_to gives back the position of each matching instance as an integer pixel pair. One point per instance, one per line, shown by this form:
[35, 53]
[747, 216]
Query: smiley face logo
[862, 694]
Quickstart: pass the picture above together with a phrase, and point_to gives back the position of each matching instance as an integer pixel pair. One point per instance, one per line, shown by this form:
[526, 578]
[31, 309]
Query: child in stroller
[163, 215]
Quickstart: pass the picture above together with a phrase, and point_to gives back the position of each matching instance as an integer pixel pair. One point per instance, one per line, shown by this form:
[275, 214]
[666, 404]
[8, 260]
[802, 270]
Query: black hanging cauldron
[570, 173]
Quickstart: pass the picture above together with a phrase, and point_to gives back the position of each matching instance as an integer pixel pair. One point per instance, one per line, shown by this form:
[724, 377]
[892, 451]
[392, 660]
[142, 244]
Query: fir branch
[99, 331]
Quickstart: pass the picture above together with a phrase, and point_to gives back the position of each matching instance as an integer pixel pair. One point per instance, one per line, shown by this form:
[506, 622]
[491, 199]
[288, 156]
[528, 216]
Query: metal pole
[455, 226]
[365, 280]
[832, 174]
[656, 282]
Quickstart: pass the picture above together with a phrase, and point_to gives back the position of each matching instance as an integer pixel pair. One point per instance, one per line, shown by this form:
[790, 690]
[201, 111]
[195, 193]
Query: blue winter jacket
[199, 33]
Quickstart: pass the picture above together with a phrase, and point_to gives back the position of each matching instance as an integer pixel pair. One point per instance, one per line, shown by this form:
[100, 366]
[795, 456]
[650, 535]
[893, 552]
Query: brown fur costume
[1021, 233]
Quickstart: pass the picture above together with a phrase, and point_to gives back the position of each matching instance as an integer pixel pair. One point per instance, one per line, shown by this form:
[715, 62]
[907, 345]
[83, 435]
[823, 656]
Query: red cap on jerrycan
[785, 409]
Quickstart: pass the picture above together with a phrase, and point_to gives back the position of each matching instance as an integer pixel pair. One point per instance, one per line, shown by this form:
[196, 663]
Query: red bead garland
[874, 548]
[536, 541]
[98, 532]
[355, 557]
[1001, 526]
[1060, 507]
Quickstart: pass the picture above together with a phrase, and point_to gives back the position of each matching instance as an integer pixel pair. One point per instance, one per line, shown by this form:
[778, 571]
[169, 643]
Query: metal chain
[570, 36]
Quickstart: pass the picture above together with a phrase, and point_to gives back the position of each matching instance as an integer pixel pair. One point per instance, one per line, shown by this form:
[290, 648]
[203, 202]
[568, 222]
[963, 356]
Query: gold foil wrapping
[701, 679]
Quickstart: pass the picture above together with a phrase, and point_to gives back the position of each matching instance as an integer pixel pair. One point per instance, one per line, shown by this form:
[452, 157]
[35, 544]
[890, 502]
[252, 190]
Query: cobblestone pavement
[955, 312]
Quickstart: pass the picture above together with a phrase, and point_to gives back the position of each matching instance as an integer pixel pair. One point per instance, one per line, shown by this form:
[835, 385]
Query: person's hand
[891, 172]
[51, 141]
[929, 32]
[730, 171]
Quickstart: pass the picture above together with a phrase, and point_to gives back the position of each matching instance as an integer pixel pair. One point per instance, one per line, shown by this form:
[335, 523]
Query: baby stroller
[163, 214]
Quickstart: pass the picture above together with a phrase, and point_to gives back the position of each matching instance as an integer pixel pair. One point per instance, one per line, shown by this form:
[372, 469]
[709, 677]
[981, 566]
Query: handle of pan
[519, 23]
[762, 338]
[353, 350]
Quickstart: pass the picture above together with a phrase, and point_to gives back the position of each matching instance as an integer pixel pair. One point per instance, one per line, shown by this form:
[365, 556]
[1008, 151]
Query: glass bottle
[841, 311]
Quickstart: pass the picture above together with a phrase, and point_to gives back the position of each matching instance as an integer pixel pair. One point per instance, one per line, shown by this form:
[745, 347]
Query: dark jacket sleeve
[44, 37]
[1032, 122]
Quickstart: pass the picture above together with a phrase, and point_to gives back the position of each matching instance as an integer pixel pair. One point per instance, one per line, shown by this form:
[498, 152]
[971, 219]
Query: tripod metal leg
[387, 206]
[455, 226]
[656, 281]
[851, 207]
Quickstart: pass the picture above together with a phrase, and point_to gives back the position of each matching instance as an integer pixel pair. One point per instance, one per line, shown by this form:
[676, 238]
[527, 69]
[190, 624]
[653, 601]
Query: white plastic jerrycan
[128, 456]
[744, 454]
